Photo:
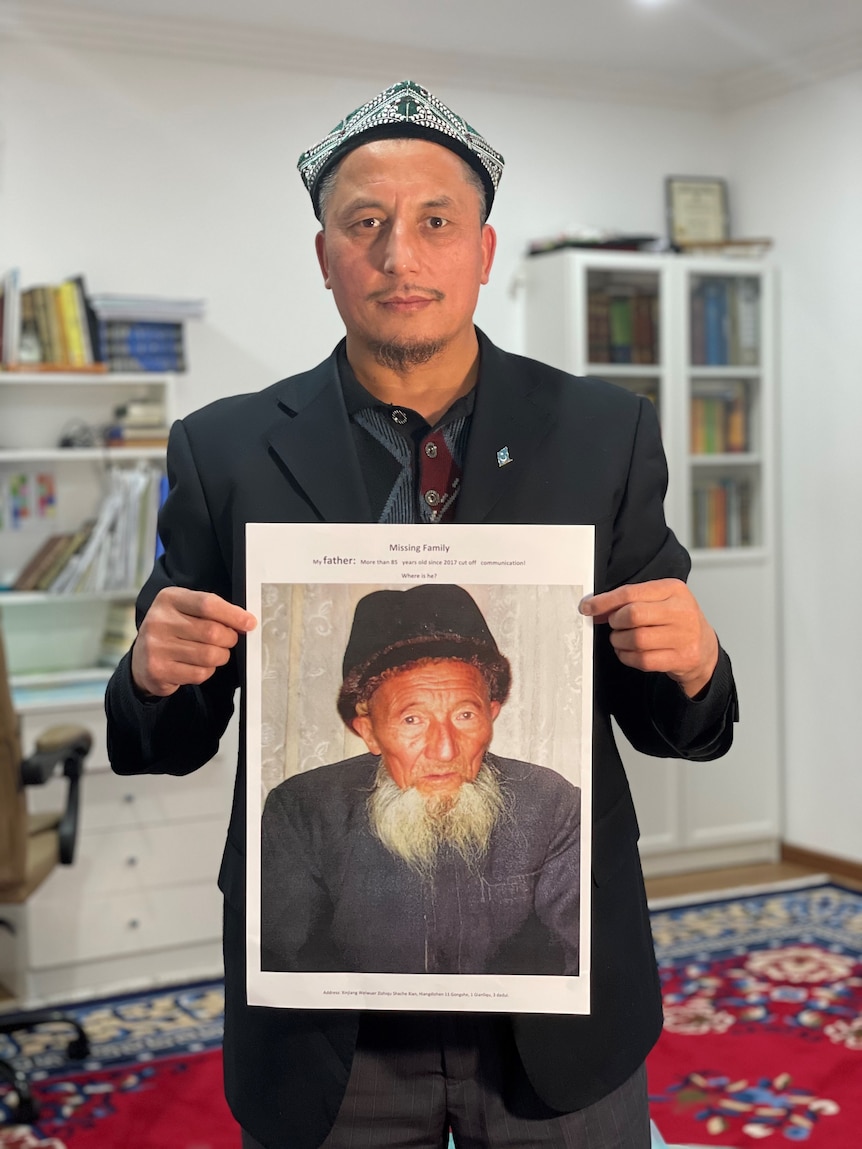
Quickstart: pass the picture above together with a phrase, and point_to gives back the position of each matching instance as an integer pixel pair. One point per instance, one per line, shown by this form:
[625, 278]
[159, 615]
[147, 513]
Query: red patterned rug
[762, 1042]
[763, 1020]
[153, 1079]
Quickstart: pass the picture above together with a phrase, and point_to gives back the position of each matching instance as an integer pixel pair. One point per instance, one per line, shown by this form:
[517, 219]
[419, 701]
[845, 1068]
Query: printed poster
[419, 744]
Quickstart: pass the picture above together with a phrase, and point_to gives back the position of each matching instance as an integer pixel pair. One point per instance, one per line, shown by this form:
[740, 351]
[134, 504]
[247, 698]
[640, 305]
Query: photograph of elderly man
[428, 853]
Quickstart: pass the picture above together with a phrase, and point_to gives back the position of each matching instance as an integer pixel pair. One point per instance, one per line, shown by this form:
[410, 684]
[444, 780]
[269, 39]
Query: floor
[706, 880]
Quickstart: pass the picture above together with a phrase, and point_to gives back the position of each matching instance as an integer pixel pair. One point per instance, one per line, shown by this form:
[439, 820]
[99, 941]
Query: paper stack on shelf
[146, 308]
[119, 633]
[139, 423]
[119, 551]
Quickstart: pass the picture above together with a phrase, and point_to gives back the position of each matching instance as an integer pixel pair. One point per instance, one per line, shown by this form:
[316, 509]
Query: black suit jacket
[583, 451]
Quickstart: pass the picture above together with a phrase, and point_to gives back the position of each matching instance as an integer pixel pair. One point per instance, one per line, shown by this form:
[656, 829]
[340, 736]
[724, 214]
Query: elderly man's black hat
[395, 628]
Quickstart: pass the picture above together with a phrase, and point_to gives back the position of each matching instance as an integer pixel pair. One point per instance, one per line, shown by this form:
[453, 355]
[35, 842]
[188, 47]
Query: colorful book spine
[715, 323]
[142, 346]
[621, 328]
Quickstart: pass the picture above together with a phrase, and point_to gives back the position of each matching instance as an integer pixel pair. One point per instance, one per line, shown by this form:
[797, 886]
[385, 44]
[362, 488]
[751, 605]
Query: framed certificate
[697, 210]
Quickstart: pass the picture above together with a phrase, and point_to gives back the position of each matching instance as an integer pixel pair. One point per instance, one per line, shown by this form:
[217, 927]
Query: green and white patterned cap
[404, 109]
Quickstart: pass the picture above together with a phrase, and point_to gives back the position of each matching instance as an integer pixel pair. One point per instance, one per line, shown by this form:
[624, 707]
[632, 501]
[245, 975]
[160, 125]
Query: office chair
[31, 845]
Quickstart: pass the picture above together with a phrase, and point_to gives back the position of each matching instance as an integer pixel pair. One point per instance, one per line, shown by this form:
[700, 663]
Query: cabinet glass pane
[723, 416]
[623, 316]
[725, 508]
[725, 321]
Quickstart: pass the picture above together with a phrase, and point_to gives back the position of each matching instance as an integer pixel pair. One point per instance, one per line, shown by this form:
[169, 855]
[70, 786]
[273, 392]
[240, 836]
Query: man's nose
[442, 746]
[400, 257]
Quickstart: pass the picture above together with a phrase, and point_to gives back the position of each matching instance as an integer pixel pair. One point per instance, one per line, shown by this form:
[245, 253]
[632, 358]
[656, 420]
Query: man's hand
[185, 636]
[658, 626]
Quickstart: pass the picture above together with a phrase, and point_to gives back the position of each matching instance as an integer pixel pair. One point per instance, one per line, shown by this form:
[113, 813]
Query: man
[415, 411]
[428, 854]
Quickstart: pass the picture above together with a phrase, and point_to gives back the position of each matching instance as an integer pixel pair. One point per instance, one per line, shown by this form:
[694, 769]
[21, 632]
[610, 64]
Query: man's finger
[599, 606]
[635, 615]
[206, 605]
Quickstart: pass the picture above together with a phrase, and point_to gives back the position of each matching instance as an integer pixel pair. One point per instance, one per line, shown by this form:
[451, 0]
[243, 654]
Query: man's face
[403, 249]
[432, 725]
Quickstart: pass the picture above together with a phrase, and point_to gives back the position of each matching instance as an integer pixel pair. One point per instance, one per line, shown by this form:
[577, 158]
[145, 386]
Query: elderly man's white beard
[415, 828]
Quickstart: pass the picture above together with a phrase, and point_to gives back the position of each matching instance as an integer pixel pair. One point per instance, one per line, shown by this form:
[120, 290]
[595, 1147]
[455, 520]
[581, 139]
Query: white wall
[797, 167]
[177, 177]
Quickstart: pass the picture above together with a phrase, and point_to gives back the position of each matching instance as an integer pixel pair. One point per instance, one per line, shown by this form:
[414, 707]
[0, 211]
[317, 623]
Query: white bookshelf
[140, 905]
[726, 812]
[60, 633]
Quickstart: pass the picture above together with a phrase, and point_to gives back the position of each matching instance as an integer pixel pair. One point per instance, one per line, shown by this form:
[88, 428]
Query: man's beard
[415, 828]
[403, 356]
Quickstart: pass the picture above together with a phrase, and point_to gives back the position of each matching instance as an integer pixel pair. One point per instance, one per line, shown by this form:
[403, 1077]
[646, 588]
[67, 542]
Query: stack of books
[725, 322]
[138, 423]
[143, 333]
[719, 418]
[50, 325]
[62, 327]
[113, 552]
[622, 325]
[722, 513]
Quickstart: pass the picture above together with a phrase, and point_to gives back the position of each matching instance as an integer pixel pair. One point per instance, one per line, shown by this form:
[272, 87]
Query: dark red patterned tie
[439, 477]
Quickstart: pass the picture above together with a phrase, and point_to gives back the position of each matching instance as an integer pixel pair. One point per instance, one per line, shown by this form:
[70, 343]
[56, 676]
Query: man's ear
[361, 725]
[495, 708]
[320, 248]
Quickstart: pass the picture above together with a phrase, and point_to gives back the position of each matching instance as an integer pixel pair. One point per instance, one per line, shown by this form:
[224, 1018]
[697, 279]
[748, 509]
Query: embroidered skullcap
[404, 110]
[394, 628]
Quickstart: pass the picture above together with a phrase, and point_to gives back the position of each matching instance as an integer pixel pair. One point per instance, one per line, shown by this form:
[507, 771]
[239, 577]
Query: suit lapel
[509, 424]
[313, 444]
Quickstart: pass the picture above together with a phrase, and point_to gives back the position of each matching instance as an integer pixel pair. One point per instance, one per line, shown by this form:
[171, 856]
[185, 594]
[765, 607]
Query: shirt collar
[357, 398]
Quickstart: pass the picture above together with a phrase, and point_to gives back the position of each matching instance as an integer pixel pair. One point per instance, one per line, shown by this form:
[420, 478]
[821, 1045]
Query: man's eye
[435, 222]
[467, 715]
[369, 223]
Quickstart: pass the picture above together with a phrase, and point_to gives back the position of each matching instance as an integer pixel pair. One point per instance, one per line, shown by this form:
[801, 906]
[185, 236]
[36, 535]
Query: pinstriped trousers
[413, 1077]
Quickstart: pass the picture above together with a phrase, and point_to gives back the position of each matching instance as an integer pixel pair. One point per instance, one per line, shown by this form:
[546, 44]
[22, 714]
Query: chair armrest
[59, 746]
[66, 747]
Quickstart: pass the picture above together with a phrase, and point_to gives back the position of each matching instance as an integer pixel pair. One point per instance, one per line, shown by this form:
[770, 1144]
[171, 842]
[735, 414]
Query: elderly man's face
[432, 725]
[403, 248]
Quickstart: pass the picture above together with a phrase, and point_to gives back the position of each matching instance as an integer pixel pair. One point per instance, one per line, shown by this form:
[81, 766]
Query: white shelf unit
[724, 813]
[61, 632]
[140, 906]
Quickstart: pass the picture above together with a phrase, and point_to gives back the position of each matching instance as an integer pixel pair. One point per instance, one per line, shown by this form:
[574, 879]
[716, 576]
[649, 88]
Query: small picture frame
[697, 210]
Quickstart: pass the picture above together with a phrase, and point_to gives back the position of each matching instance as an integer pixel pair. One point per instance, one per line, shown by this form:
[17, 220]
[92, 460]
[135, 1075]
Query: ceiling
[701, 52]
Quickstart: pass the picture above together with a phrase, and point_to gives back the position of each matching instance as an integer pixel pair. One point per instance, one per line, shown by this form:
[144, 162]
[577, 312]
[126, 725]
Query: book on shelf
[142, 345]
[622, 325]
[719, 417]
[725, 322]
[113, 551]
[10, 309]
[47, 327]
[722, 514]
[39, 562]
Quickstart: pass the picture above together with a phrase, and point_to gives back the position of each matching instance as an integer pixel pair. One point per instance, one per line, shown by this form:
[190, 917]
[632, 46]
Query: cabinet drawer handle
[133, 923]
[128, 798]
[131, 860]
